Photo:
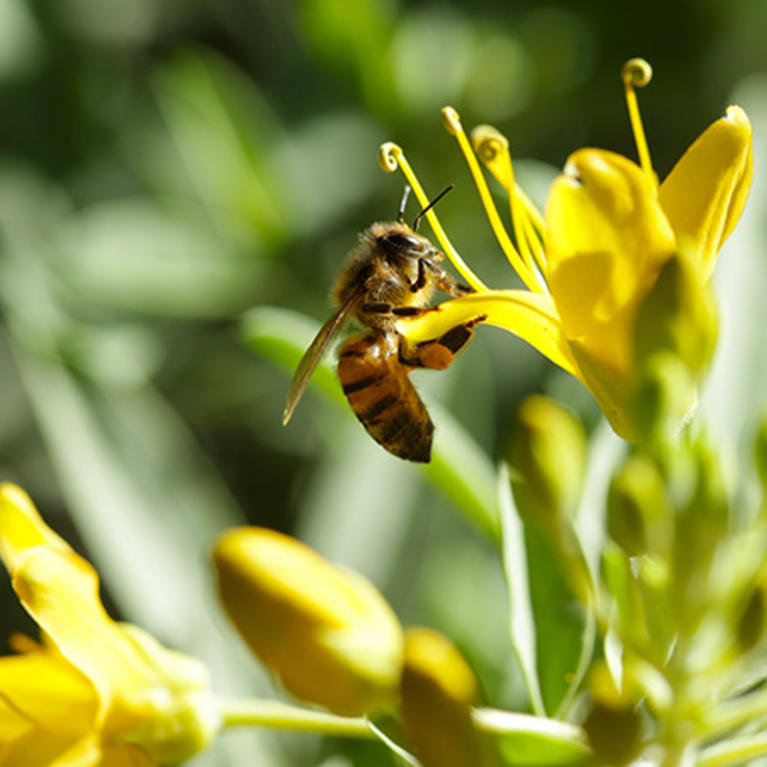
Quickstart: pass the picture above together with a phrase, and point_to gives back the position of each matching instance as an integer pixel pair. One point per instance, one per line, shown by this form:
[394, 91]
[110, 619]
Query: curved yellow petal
[59, 589]
[706, 191]
[44, 689]
[531, 316]
[43, 749]
[21, 526]
[606, 240]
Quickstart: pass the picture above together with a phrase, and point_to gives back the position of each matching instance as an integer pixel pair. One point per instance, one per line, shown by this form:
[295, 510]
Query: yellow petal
[21, 525]
[59, 589]
[706, 191]
[606, 239]
[531, 316]
[327, 632]
[125, 755]
[44, 689]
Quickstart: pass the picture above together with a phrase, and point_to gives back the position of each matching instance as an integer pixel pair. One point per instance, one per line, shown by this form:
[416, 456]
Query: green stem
[498, 722]
[733, 751]
[281, 716]
[269, 713]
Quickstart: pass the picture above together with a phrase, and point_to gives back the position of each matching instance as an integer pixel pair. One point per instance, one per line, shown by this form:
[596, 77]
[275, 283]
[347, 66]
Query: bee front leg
[444, 281]
[439, 353]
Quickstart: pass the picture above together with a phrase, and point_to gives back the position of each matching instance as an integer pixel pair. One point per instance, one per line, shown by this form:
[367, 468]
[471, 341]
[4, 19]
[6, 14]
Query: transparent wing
[314, 353]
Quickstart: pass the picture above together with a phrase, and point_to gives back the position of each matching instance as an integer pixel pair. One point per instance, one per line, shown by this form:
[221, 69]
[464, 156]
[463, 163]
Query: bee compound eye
[401, 243]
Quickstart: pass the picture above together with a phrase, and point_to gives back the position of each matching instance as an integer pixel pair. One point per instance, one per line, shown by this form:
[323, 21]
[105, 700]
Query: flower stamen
[636, 73]
[492, 147]
[452, 122]
[391, 157]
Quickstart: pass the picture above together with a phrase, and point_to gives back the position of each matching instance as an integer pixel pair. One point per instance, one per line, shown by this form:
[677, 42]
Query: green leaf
[515, 567]
[528, 741]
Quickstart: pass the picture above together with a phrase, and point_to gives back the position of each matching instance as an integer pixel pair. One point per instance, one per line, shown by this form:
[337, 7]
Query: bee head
[402, 242]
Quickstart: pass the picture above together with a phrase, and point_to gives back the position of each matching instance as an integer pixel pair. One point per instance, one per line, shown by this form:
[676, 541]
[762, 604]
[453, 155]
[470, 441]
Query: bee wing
[314, 353]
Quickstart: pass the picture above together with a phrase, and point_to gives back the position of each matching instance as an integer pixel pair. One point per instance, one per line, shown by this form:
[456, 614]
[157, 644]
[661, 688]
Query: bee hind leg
[439, 353]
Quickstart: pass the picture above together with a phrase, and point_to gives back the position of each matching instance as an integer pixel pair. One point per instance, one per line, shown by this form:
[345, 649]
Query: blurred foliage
[166, 165]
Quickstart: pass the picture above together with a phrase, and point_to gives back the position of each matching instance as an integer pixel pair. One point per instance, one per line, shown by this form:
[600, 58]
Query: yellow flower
[92, 692]
[608, 232]
[326, 631]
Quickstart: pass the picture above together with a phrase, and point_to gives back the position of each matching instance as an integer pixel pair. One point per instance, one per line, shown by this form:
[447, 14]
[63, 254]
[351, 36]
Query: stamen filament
[493, 149]
[391, 157]
[636, 73]
[452, 122]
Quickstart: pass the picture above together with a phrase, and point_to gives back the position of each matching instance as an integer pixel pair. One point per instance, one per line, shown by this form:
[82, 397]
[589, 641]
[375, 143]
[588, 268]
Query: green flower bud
[666, 397]
[438, 689]
[613, 724]
[639, 517]
[327, 632]
[548, 454]
[676, 334]
[702, 524]
[751, 623]
[678, 315]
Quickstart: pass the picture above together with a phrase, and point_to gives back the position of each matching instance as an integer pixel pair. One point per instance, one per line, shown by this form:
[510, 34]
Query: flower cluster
[611, 238]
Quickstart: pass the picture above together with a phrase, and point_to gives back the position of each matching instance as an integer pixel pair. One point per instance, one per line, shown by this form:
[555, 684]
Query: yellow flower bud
[438, 690]
[327, 632]
[548, 454]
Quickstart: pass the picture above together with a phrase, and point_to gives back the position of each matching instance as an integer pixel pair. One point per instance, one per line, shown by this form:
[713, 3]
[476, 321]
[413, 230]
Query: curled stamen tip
[452, 121]
[388, 156]
[636, 72]
[488, 141]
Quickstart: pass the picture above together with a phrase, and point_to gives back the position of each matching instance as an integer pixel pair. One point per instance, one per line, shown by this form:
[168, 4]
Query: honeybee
[393, 272]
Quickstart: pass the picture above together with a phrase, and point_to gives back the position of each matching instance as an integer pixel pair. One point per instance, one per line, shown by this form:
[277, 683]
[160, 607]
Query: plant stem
[281, 716]
[507, 722]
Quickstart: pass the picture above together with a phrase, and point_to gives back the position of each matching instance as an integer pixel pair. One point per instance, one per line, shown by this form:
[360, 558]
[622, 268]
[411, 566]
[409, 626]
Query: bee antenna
[417, 219]
[405, 195]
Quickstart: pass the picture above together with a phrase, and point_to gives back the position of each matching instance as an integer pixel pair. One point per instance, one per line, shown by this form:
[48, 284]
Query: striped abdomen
[378, 389]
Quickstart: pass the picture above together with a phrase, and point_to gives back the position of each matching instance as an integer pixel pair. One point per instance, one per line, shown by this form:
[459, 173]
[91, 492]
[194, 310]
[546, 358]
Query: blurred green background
[165, 165]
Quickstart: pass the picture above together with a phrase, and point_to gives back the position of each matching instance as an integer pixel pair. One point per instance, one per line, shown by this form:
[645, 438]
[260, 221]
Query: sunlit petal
[606, 239]
[704, 195]
[531, 316]
[21, 525]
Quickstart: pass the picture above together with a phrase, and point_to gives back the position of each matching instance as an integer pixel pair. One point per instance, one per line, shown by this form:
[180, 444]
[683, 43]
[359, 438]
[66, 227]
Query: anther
[452, 121]
[636, 72]
[488, 142]
[388, 156]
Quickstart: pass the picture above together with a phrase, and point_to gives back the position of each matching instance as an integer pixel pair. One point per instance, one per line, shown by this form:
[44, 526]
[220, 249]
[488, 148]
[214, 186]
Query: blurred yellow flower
[438, 692]
[93, 692]
[608, 231]
[326, 631]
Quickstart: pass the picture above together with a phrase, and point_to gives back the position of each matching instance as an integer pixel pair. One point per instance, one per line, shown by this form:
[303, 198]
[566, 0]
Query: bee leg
[446, 283]
[439, 353]
[421, 278]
